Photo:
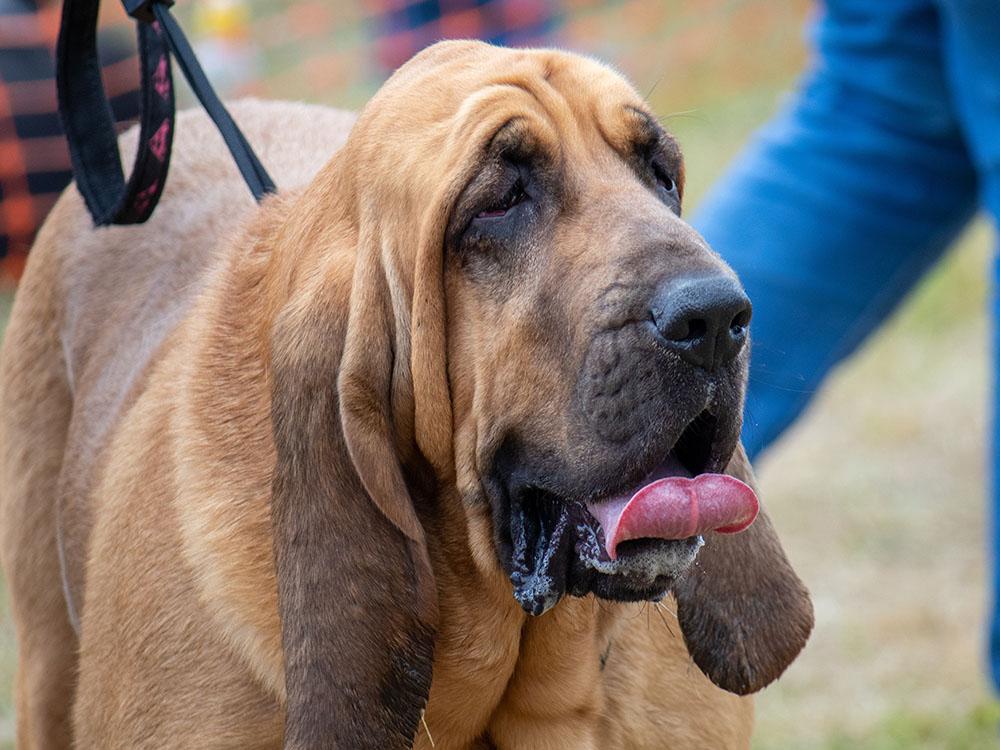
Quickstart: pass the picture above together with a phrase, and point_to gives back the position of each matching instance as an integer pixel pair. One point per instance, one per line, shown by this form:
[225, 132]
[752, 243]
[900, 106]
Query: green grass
[975, 729]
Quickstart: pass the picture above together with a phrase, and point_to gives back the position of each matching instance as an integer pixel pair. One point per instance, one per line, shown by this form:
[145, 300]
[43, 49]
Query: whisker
[662, 605]
[423, 720]
[690, 114]
[664, 621]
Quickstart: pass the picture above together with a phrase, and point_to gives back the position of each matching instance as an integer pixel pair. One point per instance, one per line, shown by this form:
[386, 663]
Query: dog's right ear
[355, 589]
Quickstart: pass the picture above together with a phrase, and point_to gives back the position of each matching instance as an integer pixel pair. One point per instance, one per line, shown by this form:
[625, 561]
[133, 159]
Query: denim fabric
[843, 201]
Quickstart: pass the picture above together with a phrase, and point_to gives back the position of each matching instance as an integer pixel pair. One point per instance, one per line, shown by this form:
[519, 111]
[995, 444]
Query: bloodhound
[434, 448]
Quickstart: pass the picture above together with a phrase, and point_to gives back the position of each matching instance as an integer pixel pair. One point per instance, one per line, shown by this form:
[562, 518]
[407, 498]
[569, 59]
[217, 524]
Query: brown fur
[258, 432]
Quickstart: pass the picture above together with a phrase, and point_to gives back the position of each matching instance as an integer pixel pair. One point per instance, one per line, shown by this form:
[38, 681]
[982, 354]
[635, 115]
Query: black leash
[89, 125]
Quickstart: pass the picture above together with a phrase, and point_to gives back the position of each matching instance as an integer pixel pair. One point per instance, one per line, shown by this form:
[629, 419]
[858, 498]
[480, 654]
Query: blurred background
[878, 492]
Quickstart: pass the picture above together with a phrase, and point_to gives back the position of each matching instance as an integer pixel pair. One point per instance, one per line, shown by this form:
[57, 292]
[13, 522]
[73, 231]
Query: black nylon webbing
[253, 171]
[89, 125]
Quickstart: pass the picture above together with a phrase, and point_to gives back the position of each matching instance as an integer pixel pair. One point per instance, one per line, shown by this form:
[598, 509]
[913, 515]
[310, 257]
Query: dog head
[532, 323]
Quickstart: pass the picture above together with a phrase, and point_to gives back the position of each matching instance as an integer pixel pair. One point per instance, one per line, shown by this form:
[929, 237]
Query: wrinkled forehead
[452, 99]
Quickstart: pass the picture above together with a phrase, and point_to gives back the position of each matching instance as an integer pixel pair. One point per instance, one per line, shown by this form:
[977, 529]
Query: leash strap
[89, 124]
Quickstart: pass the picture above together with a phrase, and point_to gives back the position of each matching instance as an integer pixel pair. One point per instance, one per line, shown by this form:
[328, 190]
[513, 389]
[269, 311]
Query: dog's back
[94, 307]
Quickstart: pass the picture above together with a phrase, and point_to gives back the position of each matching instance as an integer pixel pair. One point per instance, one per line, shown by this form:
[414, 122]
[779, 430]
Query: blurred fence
[340, 52]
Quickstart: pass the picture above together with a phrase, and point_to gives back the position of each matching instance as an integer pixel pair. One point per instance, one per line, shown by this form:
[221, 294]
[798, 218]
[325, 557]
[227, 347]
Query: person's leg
[971, 32]
[991, 199]
[842, 202]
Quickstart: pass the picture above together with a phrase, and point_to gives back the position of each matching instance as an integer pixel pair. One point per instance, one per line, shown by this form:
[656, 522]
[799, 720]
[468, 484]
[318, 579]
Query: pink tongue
[676, 508]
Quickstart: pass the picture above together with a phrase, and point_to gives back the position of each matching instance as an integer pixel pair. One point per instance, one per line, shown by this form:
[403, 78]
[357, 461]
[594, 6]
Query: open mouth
[678, 499]
[629, 544]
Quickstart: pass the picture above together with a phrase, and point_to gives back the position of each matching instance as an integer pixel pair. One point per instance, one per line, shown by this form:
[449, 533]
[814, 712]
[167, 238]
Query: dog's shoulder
[125, 286]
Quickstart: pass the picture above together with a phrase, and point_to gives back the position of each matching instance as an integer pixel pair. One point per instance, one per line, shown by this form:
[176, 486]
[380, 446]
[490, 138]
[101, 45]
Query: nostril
[739, 324]
[686, 330]
[697, 328]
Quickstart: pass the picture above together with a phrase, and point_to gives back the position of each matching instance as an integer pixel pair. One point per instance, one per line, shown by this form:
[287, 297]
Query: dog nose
[704, 319]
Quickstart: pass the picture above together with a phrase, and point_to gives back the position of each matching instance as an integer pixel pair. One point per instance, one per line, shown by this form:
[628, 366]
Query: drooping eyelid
[505, 131]
[492, 149]
[494, 176]
[513, 146]
[522, 146]
[651, 141]
[515, 143]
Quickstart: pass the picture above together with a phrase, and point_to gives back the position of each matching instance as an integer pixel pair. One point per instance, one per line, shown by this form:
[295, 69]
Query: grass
[879, 491]
[974, 729]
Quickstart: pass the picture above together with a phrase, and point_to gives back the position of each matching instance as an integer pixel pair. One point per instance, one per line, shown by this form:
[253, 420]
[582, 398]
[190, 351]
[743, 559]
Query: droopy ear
[355, 588]
[744, 612]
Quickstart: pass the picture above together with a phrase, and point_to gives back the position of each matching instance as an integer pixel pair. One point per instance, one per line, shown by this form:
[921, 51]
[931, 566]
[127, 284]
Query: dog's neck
[498, 672]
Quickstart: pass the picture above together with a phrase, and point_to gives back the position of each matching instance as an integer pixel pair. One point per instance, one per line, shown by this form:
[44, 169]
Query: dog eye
[515, 196]
[663, 180]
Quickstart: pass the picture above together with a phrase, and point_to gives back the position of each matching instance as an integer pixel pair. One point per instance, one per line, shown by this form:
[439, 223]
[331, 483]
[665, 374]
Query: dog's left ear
[744, 612]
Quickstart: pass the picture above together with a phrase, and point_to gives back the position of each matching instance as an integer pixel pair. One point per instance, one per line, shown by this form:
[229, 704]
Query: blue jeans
[843, 201]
